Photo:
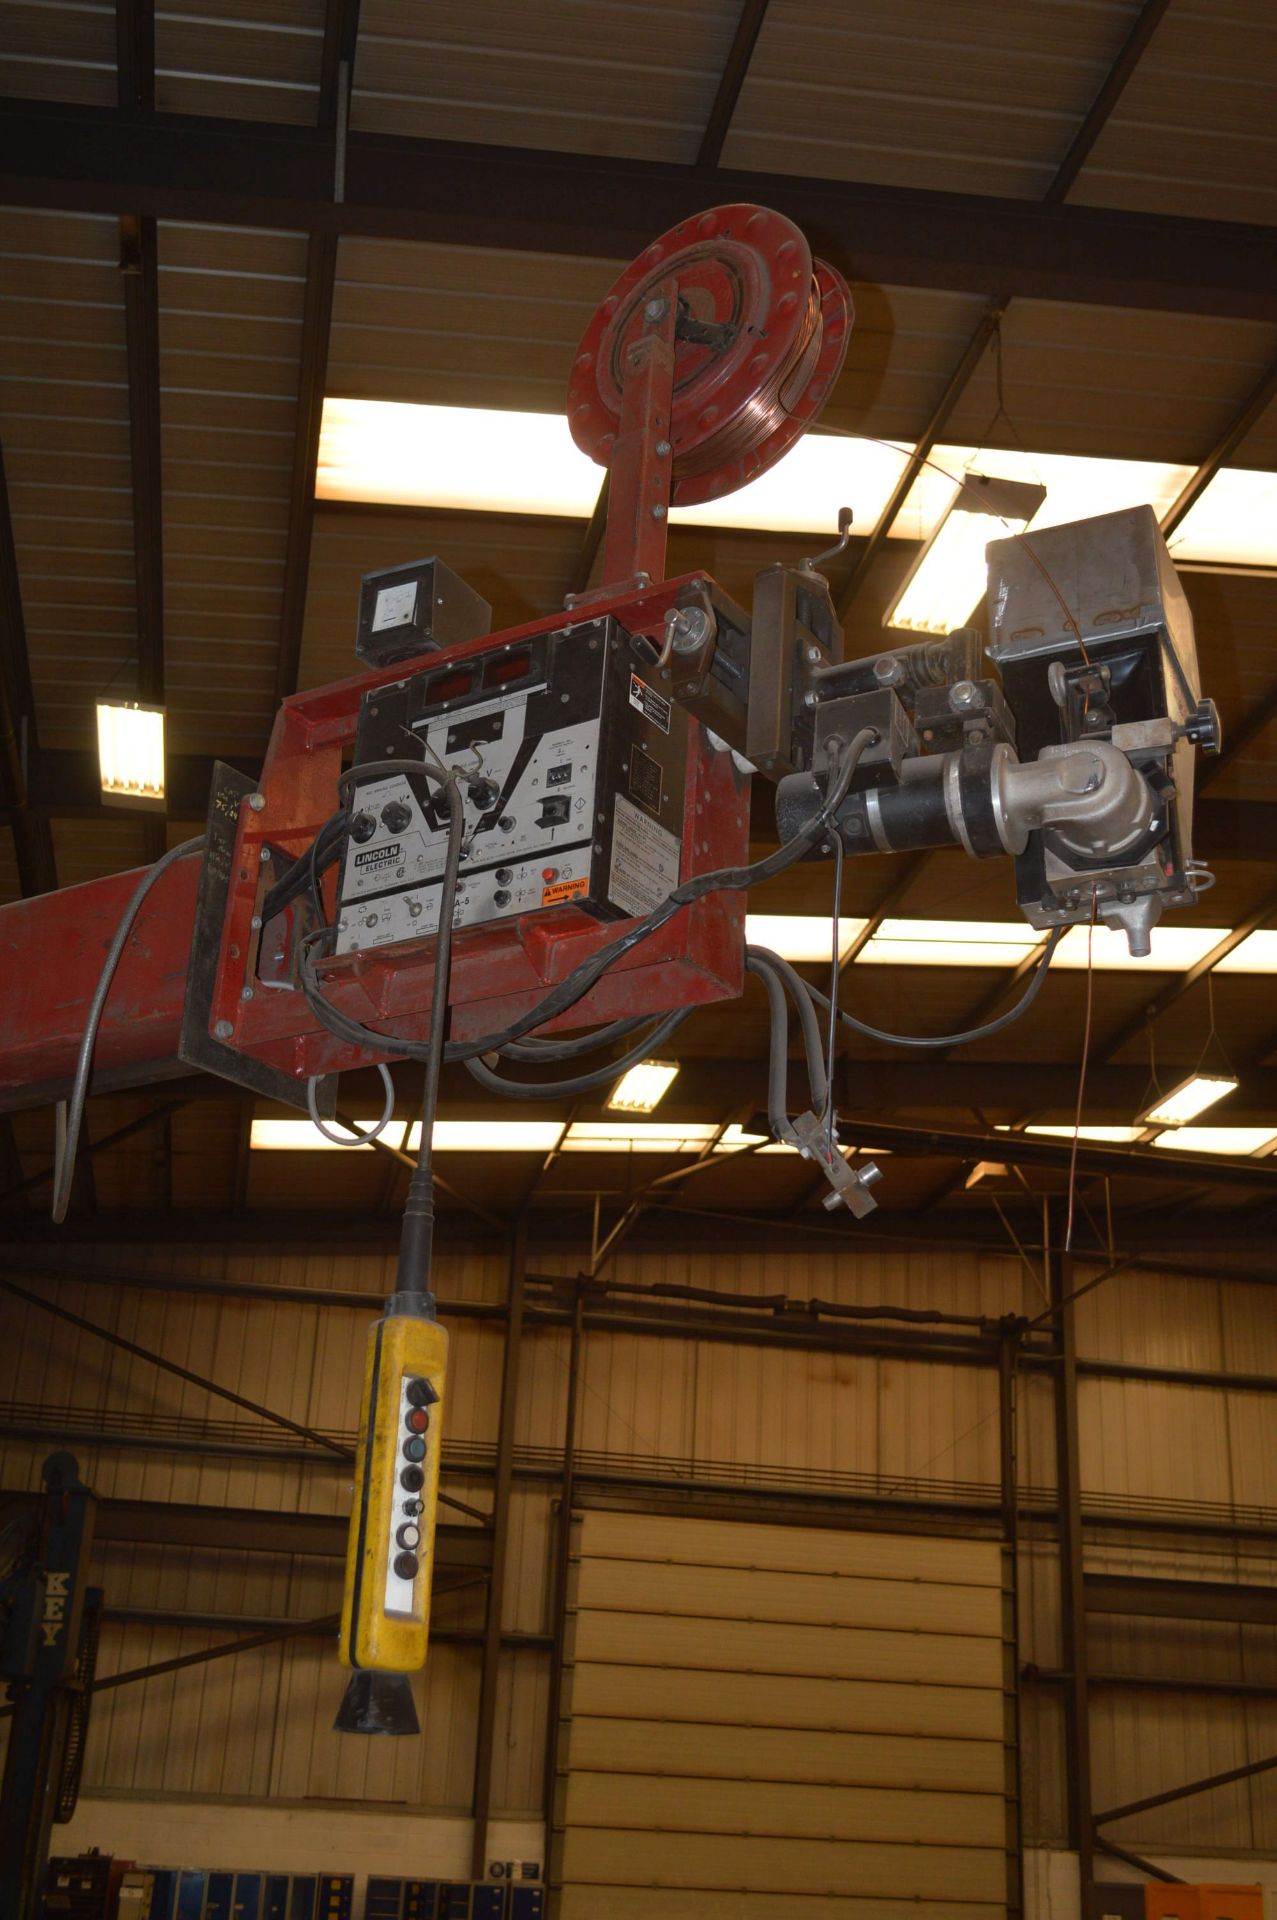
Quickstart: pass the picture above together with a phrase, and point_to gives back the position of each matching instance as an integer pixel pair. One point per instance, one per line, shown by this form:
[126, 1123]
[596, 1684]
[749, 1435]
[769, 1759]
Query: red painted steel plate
[738, 407]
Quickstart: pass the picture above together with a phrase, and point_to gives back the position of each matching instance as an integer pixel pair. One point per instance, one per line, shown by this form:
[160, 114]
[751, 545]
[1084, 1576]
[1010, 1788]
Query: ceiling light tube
[131, 754]
[946, 583]
[1191, 1097]
[643, 1087]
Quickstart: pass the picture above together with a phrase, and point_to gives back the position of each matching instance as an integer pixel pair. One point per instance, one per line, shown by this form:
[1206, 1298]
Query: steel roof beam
[341, 32]
[262, 175]
[1066, 174]
[735, 68]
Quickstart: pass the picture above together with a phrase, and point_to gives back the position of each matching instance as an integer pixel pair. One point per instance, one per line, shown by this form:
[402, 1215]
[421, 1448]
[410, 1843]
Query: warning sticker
[645, 780]
[564, 890]
[644, 859]
[652, 705]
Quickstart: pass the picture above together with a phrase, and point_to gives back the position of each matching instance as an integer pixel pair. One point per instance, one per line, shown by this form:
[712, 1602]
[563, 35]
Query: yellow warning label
[563, 890]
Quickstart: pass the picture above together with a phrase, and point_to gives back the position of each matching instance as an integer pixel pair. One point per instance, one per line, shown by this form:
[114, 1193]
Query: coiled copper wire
[769, 407]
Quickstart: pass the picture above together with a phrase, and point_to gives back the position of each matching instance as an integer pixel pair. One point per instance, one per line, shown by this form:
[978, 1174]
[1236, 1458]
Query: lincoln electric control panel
[571, 764]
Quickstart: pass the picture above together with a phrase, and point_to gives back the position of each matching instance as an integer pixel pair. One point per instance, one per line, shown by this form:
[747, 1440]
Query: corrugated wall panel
[682, 1598]
[689, 1696]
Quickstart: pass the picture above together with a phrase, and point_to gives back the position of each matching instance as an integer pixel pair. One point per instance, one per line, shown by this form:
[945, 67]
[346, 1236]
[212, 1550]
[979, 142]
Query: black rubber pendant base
[377, 1703]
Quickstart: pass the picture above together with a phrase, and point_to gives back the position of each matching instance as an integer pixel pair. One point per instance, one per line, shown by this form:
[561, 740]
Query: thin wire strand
[1081, 1078]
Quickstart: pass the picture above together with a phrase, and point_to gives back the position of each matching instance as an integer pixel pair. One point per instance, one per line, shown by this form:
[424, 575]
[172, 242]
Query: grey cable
[583, 1082]
[1022, 1005]
[70, 1113]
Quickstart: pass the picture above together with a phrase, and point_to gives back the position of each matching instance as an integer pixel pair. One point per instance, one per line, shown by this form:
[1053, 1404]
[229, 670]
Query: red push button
[417, 1419]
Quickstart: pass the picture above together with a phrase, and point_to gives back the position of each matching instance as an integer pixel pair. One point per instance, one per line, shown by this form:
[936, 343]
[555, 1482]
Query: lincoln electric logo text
[55, 1608]
[378, 856]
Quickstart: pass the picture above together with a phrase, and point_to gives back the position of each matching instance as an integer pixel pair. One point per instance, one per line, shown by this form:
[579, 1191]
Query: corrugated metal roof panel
[1117, 384]
[230, 341]
[1193, 132]
[452, 326]
[64, 415]
[54, 51]
[237, 64]
[969, 97]
[632, 77]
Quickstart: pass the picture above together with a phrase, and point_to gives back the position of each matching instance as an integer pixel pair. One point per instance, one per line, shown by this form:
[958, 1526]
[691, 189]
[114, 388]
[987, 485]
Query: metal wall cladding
[924, 94]
[230, 344]
[64, 424]
[711, 1778]
[818, 1616]
[633, 77]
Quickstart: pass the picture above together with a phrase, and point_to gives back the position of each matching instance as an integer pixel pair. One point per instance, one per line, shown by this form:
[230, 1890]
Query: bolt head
[257, 801]
[654, 311]
[663, 449]
[255, 922]
[223, 1030]
[247, 994]
[964, 694]
[265, 855]
[658, 511]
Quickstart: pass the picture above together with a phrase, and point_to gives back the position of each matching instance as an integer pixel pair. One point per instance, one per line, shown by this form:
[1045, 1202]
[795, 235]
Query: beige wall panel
[1145, 1439]
[736, 1543]
[742, 1647]
[666, 1747]
[597, 1854]
[755, 1807]
[637, 1401]
[666, 1903]
[812, 1599]
[523, 1696]
[784, 1700]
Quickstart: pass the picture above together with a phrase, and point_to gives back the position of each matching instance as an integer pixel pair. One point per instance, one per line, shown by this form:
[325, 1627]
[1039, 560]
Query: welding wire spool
[773, 326]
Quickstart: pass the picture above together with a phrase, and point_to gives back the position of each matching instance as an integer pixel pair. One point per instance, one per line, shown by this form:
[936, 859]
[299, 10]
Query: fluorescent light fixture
[735, 1140]
[491, 460]
[1234, 520]
[495, 461]
[642, 1088]
[1107, 1136]
[1253, 1140]
[801, 936]
[450, 1136]
[638, 1136]
[950, 943]
[131, 753]
[1188, 1099]
[946, 583]
[1257, 953]
[1005, 943]
[1175, 949]
[982, 1171]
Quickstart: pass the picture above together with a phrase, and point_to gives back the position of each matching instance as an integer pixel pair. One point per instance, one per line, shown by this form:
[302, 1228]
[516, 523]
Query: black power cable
[481, 1071]
[416, 1236]
[587, 972]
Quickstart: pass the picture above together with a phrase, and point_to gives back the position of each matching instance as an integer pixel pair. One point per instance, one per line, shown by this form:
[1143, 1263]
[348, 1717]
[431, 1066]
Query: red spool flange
[774, 326]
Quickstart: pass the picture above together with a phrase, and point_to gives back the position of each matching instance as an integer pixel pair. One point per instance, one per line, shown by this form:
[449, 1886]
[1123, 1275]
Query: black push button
[406, 1566]
[412, 1479]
